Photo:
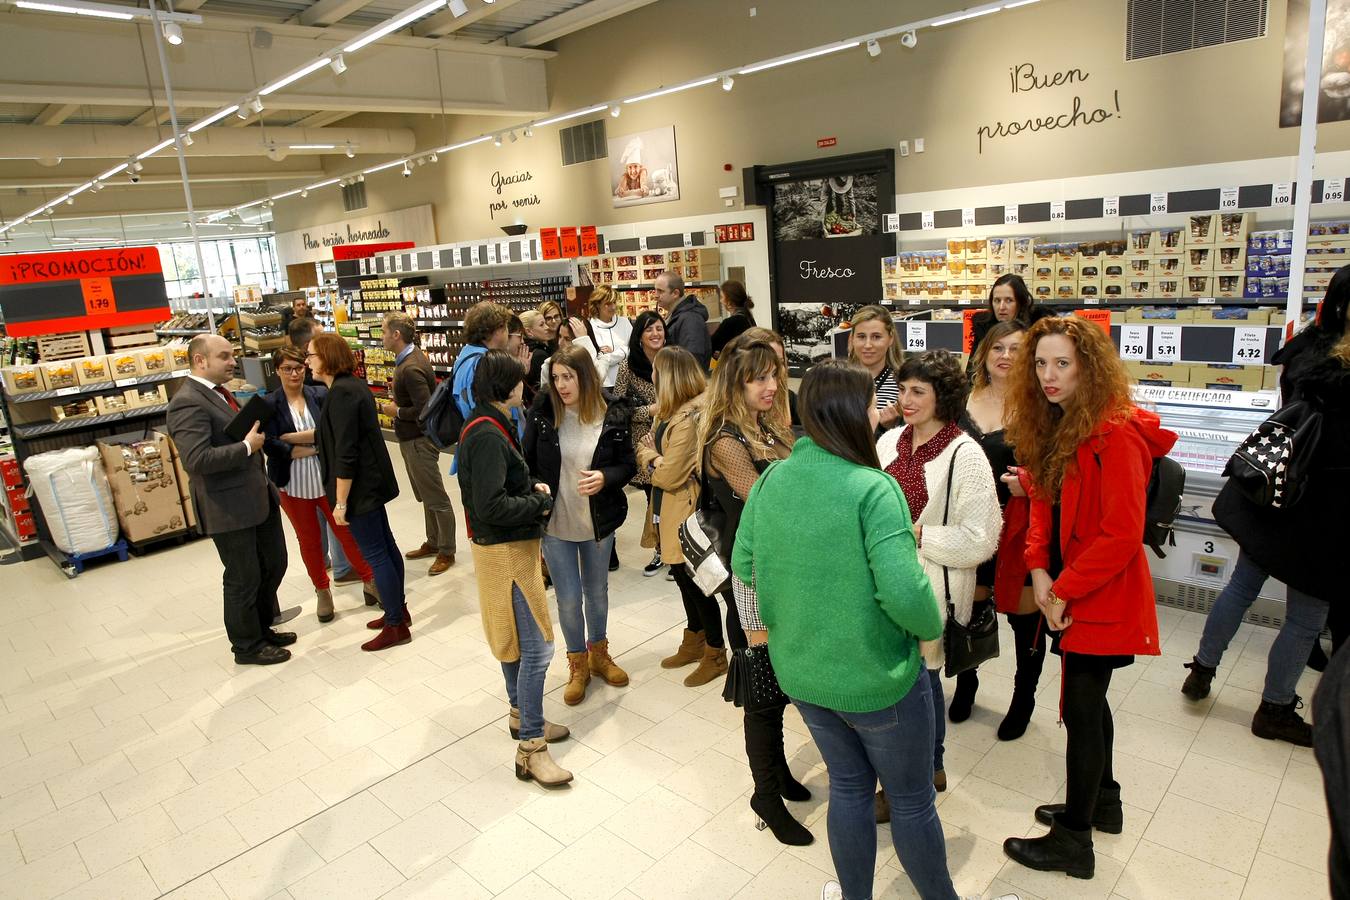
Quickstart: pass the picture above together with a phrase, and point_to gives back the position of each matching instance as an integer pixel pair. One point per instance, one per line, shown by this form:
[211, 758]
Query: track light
[615, 111]
[496, 140]
[435, 158]
[351, 151]
[728, 82]
[96, 186]
[873, 48]
[513, 137]
[304, 192]
[186, 139]
[361, 177]
[458, 8]
[407, 170]
[138, 166]
[70, 201]
[242, 111]
[173, 33]
[909, 40]
[338, 64]
[529, 132]
[256, 104]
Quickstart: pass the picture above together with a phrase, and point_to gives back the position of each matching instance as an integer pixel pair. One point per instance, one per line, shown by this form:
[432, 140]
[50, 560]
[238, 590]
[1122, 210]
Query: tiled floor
[136, 760]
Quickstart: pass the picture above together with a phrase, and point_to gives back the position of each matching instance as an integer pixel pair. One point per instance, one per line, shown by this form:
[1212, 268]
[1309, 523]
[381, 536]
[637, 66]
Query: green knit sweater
[840, 586]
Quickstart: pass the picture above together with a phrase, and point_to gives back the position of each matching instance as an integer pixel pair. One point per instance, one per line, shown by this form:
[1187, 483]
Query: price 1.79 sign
[83, 290]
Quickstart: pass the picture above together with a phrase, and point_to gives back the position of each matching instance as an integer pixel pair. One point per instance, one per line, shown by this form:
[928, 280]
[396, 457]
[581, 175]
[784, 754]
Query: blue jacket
[463, 370]
[282, 422]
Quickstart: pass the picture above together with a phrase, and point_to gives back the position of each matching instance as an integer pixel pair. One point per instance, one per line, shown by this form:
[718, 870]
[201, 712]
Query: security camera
[135, 177]
[909, 39]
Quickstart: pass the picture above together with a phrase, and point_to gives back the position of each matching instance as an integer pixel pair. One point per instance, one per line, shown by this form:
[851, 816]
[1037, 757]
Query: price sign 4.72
[1249, 346]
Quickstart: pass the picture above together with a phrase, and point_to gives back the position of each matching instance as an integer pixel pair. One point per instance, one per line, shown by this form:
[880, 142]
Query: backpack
[1270, 467]
[441, 421]
[1162, 502]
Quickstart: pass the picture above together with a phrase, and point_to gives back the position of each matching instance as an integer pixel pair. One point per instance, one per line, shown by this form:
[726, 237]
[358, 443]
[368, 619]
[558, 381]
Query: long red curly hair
[1047, 435]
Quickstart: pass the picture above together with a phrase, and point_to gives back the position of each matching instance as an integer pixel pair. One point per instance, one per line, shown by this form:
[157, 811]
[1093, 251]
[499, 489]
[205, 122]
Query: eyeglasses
[310, 355]
[552, 318]
[291, 370]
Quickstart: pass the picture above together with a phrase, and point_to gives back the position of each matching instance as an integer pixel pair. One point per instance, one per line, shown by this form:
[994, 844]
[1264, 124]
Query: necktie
[229, 398]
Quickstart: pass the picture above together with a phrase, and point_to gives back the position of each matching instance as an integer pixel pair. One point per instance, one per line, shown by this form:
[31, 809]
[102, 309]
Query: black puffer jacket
[500, 500]
[1302, 546]
[613, 456]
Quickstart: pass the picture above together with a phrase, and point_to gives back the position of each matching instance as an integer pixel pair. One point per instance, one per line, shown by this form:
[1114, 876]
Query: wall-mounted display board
[46, 293]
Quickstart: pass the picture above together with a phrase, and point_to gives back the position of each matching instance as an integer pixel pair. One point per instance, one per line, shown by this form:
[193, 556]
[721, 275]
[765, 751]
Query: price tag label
[968, 217]
[1333, 190]
[1092, 301]
[642, 243]
[1110, 207]
[527, 250]
[688, 239]
[892, 223]
[1283, 194]
[1157, 203]
[1205, 301]
[1167, 343]
[1011, 215]
[964, 301]
[1134, 342]
[916, 336]
[1228, 199]
[492, 254]
[1056, 210]
[926, 220]
[66, 392]
[1249, 346]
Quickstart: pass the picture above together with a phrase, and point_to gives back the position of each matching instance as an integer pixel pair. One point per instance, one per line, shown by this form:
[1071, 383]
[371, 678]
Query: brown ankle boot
[552, 733]
[325, 610]
[603, 664]
[691, 651]
[713, 665]
[534, 762]
[578, 676]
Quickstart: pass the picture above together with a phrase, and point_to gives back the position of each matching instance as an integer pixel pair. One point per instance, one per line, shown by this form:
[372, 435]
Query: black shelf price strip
[29, 432]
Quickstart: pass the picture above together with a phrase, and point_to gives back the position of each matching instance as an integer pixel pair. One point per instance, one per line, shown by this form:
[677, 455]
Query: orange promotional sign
[1101, 316]
[82, 290]
[548, 243]
[968, 330]
[30, 268]
[570, 242]
[98, 296]
[590, 241]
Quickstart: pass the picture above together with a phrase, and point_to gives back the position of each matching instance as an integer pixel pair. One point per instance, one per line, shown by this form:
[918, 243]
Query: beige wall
[1217, 105]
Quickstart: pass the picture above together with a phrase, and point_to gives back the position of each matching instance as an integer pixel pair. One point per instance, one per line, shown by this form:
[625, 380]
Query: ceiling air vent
[583, 143]
[1156, 27]
[354, 196]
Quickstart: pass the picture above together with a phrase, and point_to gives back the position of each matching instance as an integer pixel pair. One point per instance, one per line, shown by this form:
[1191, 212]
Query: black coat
[282, 422]
[351, 445]
[984, 320]
[613, 456]
[496, 488]
[1301, 546]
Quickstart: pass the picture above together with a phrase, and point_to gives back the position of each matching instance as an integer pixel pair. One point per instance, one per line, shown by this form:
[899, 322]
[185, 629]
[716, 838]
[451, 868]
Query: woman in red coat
[1088, 451]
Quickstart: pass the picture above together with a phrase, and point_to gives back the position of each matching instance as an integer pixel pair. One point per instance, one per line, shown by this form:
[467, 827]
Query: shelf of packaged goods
[439, 323]
[182, 332]
[42, 429]
[625, 286]
[1088, 302]
[95, 388]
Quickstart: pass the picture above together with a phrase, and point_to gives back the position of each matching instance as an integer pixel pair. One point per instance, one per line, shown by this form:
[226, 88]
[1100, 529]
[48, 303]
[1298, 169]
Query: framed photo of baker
[643, 168]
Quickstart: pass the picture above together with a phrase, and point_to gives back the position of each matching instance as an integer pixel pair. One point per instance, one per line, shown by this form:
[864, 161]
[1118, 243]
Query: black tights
[702, 612]
[1091, 732]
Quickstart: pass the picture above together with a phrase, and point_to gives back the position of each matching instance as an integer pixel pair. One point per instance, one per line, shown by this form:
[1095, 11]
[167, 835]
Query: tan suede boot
[578, 676]
[691, 651]
[325, 610]
[603, 664]
[534, 762]
[713, 665]
[552, 733]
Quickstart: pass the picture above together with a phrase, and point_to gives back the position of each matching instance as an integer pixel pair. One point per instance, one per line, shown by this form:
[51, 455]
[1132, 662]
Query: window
[229, 262]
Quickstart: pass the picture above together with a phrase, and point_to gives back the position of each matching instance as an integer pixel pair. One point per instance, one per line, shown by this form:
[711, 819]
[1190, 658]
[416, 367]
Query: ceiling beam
[575, 19]
[188, 5]
[447, 22]
[155, 115]
[330, 12]
[56, 113]
[320, 119]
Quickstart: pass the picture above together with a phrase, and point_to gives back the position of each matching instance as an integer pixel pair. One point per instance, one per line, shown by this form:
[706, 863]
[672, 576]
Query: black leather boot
[1062, 850]
[1029, 643]
[1196, 686]
[1108, 816]
[967, 683]
[1281, 722]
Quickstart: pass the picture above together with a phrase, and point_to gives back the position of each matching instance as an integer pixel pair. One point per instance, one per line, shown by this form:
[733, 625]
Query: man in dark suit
[414, 382]
[236, 503]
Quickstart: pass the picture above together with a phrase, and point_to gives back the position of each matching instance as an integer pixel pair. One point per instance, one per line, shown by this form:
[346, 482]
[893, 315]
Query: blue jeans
[1304, 616]
[332, 549]
[939, 718]
[525, 676]
[376, 541]
[893, 745]
[580, 568]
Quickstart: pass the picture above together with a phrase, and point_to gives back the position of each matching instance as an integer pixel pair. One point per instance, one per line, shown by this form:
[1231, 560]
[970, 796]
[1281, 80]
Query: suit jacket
[229, 487]
[414, 382]
[283, 422]
[351, 445]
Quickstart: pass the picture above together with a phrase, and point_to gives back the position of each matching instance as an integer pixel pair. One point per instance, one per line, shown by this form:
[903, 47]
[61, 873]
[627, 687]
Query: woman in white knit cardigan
[957, 533]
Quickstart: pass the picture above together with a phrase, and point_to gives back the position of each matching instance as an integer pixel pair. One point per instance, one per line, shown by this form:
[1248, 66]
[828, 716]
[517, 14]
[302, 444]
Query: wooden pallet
[125, 336]
[72, 345]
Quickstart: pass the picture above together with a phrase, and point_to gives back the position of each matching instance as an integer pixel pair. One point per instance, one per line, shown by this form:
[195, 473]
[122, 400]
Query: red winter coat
[1105, 584]
[1010, 566]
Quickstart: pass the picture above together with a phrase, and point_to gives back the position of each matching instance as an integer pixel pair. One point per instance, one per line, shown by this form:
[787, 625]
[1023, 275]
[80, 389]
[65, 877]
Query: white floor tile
[195, 853]
[360, 874]
[124, 841]
[423, 838]
[338, 829]
[658, 821]
[260, 872]
[505, 853]
[599, 865]
[1158, 873]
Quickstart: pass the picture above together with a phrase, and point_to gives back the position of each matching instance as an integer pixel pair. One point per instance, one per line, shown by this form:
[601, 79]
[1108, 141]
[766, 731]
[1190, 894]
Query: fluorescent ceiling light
[111, 172]
[96, 12]
[457, 8]
[1019, 3]
[461, 145]
[671, 90]
[288, 194]
[810, 54]
[394, 24]
[961, 17]
[155, 149]
[313, 146]
[319, 184]
[573, 115]
[294, 76]
[81, 189]
[380, 168]
[105, 11]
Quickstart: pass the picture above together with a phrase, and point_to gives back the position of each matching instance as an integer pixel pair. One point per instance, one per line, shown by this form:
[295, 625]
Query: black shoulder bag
[966, 646]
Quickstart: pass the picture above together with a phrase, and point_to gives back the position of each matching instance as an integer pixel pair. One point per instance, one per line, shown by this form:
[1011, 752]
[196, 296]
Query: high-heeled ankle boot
[1029, 644]
[325, 604]
[774, 816]
[371, 592]
[533, 762]
[1062, 850]
[967, 683]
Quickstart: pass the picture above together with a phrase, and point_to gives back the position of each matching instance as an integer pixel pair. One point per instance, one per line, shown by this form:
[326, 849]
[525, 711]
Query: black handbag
[966, 646]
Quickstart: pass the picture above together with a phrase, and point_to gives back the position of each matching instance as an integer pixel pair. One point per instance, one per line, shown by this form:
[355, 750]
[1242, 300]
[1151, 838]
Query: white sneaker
[832, 891]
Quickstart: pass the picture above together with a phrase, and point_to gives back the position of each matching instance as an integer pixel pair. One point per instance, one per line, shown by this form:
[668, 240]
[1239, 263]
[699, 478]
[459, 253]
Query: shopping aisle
[138, 760]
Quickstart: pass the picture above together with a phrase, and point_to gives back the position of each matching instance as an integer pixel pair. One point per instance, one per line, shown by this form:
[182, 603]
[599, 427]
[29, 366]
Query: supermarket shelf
[1207, 398]
[438, 323]
[651, 287]
[41, 429]
[182, 332]
[95, 388]
[1279, 302]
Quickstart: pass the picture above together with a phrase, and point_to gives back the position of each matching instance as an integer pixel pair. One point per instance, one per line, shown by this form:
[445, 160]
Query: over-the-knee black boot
[1029, 644]
[764, 751]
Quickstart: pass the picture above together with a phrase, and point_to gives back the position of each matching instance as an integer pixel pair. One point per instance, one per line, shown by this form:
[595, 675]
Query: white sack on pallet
[72, 492]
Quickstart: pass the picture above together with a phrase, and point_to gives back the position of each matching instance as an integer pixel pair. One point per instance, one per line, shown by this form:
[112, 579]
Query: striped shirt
[306, 478]
[887, 388]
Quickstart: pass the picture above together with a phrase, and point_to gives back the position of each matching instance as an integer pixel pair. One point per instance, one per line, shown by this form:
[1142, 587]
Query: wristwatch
[1054, 600]
[338, 506]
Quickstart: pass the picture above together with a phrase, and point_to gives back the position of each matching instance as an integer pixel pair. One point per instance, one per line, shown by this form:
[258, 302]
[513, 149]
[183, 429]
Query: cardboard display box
[1217, 375]
[184, 495]
[61, 375]
[1201, 228]
[20, 380]
[93, 370]
[126, 364]
[144, 484]
[1164, 373]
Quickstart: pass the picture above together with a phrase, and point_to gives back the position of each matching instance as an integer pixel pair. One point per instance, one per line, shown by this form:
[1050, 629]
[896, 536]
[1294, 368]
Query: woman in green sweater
[843, 603]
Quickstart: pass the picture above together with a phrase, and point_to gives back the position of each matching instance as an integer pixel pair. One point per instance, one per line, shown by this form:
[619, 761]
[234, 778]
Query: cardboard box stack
[144, 483]
[17, 507]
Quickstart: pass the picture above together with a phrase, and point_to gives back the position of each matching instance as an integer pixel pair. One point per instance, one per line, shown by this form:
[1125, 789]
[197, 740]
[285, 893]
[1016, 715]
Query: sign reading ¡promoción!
[48, 293]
